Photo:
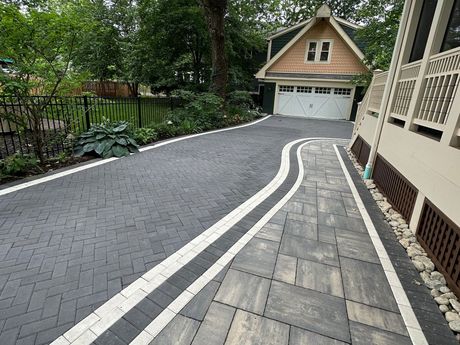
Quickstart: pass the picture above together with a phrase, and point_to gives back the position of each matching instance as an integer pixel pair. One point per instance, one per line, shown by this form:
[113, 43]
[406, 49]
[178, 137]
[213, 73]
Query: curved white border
[108, 160]
[87, 330]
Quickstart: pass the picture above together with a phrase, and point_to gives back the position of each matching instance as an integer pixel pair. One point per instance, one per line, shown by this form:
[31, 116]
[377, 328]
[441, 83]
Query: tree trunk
[215, 11]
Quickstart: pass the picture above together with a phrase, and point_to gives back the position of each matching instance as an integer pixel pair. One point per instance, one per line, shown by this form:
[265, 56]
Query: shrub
[145, 135]
[206, 110]
[18, 164]
[240, 99]
[188, 127]
[165, 130]
[106, 140]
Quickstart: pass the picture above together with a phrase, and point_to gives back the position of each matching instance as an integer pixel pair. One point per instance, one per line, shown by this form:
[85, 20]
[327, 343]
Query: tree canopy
[166, 44]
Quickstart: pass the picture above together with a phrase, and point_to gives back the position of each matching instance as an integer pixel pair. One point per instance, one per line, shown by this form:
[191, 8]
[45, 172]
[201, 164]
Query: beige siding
[343, 60]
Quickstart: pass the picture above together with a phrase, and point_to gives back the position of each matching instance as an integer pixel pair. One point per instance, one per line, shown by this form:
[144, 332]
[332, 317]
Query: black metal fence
[59, 117]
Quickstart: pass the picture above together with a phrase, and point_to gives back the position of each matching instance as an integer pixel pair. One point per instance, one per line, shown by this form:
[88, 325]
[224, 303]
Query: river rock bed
[447, 302]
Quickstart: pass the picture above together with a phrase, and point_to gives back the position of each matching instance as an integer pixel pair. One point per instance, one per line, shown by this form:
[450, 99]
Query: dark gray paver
[319, 277]
[365, 335]
[234, 291]
[214, 329]
[309, 249]
[87, 235]
[253, 329]
[300, 336]
[360, 288]
[308, 309]
[180, 331]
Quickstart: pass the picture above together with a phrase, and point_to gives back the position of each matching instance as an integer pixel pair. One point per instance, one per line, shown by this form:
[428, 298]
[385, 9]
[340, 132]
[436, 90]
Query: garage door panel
[317, 102]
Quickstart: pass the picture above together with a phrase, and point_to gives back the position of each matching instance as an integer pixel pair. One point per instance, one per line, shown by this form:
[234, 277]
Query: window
[341, 91]
[319, 51]
[311, 54]
[304, 89]
[323, 90]
[423, 30]
[325, 51]
[452, 36]
[286, 88]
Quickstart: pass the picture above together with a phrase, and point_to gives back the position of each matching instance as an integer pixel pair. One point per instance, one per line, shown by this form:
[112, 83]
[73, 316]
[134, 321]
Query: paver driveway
[70, 244]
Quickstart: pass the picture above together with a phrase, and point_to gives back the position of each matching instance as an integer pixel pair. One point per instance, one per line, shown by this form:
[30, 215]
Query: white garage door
[319, 102]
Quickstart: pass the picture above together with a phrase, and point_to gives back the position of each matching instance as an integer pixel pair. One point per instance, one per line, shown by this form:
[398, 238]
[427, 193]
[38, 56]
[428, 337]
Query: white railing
[376, 92]
[405, 89]
[441, 85]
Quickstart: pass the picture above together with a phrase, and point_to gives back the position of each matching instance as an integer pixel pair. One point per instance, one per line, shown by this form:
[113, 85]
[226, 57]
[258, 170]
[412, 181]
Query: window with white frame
[286, 88]
[342, 91]
[319, 51]
[304, 89]
[323, 90]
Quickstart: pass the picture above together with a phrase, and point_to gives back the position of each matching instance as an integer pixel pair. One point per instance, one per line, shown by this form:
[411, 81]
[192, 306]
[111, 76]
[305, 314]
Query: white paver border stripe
[413, 327]
[111, 311]
[157, 325]
[105, 161]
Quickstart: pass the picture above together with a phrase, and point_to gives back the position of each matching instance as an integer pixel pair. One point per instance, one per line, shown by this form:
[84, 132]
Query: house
[310, 67]
[407, 130]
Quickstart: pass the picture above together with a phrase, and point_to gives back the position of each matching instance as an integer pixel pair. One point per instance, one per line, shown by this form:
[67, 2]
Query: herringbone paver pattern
[68, 245]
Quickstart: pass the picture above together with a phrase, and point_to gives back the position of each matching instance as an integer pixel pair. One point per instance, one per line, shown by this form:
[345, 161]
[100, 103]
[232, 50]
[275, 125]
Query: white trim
[318, 51]
[261, 73]
[112, 310]
[347, 23]
[347, 39]
[289, 29]
[410, 320]
[305, 22]
[105, 161]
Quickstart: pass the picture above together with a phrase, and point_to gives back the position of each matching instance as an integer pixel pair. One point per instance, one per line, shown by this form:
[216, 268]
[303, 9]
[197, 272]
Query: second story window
[318, 51]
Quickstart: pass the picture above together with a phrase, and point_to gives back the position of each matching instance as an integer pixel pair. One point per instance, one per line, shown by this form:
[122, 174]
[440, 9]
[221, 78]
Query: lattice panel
[361, 149]
[398, 190]
[440, 237]
[403, 97]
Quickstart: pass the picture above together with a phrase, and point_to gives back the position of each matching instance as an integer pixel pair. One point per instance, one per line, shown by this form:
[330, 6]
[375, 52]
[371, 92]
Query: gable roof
[344, 28]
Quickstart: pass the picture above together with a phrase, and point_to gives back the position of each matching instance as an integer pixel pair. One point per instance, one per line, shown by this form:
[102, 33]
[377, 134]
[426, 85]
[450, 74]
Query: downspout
[397, 51]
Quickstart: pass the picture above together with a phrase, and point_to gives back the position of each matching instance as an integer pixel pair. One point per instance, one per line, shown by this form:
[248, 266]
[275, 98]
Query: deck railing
[441, 84]
[405, 89]
[376, 92]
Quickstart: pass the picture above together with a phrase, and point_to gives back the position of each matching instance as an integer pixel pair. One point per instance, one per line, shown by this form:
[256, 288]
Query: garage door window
[286, 88]
[323, 90]
[341, 91]
[304, 89]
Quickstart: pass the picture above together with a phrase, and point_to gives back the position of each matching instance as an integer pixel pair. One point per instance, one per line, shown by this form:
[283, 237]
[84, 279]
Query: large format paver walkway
[311, 275]
[205, 241]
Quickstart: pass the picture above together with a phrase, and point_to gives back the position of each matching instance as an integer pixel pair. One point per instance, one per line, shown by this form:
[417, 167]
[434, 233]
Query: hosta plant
[108, 139]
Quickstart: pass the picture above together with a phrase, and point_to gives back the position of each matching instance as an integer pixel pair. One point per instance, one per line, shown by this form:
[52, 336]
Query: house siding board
[343, 59]
[279, 42]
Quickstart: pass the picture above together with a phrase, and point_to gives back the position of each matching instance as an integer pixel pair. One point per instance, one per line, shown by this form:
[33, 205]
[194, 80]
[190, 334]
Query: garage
[315, 101]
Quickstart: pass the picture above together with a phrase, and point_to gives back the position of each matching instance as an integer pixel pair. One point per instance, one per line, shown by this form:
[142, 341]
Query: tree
[215, 11]
[174, 45]
[42, 43]
[380, 19]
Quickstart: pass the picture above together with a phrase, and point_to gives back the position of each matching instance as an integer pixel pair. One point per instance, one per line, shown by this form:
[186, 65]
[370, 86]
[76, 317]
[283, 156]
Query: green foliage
[188, 126]
[165, 130]
[241, 99]
[108, 139]
[42, 42]
[17, 165]
[205, 110]
[145, 135]
[380, 19]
